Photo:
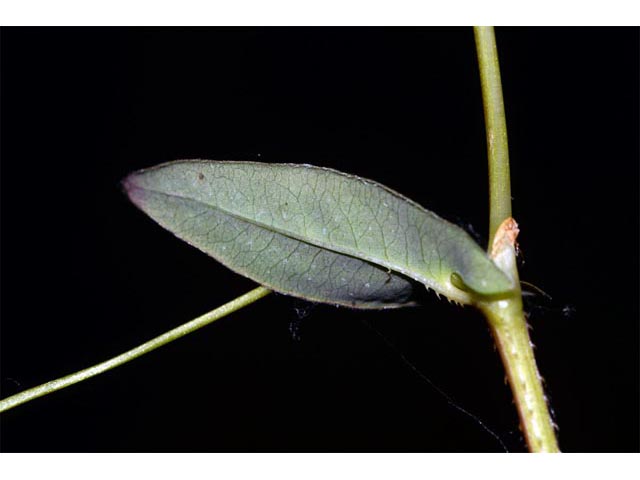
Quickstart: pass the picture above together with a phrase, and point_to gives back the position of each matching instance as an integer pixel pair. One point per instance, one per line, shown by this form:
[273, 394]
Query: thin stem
[496, 127]
[136, 352]
[506, 317]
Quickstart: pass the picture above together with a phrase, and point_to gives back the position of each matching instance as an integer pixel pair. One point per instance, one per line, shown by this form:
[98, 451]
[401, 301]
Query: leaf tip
[132, 189]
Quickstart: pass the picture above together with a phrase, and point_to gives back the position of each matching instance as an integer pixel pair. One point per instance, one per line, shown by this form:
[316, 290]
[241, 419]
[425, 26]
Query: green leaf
[314, 232]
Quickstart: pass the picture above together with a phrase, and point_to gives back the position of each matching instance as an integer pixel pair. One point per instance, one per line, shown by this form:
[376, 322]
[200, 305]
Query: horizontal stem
[170, 336]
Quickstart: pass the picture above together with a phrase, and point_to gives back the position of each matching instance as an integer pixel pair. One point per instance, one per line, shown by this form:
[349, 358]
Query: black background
[85, 275]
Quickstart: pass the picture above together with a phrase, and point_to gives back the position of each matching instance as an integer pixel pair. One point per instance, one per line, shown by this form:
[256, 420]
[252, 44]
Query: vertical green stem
[496, 127]
[505, 316]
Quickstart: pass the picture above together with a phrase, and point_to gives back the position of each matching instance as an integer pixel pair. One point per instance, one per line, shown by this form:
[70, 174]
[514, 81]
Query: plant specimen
[331, 237]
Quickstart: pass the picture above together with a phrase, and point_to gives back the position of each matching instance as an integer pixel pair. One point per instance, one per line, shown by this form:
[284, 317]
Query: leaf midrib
[409, 273]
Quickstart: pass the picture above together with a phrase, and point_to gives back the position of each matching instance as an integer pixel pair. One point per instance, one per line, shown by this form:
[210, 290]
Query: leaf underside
[312, 232]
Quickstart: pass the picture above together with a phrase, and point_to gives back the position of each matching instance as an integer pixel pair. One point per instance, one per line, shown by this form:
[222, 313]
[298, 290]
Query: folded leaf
[314, 232]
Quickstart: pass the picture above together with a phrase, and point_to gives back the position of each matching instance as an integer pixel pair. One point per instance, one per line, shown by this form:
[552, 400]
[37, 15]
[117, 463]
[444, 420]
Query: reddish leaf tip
[132, 189]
